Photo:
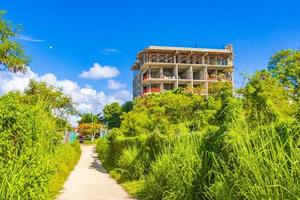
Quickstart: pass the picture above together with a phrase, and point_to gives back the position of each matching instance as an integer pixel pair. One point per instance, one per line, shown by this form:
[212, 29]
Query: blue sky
[110, 33]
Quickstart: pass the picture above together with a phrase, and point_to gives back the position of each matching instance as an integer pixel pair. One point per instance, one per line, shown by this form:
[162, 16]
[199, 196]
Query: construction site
[162, 68]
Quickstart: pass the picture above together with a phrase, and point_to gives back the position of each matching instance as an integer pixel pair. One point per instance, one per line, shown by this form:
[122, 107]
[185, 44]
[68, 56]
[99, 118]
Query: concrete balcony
[219, 77]
[150, 90]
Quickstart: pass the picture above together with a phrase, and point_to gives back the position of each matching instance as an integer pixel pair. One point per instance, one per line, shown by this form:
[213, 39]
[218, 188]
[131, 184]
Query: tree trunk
[93, 137]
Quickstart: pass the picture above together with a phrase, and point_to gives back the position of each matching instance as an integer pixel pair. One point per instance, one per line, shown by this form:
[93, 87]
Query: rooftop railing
[186, 59]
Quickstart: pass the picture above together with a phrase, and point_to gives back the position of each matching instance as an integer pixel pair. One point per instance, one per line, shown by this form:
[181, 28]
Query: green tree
[52, 97]
[265, 98]
[285, 66]
[217, 89]
[111, 115]
[12, 56]
[127, 106]
[89, 118]
[89, 129]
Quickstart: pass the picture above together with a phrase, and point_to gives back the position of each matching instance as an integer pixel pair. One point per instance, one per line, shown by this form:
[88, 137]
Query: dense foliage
[89, 125]
[112, 113]
[34, 162]
[89, 129]
[285, 66]
[12, 56]
[183, 146]
[89, 118]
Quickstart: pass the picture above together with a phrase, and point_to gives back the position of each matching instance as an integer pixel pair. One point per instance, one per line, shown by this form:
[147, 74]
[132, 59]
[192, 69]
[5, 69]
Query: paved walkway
[90, 181]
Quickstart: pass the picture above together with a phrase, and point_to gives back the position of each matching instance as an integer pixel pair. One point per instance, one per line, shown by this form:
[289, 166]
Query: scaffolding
[159, 69]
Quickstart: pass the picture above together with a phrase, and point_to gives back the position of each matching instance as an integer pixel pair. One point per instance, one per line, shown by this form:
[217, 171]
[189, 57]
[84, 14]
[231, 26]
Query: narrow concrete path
[90, 181]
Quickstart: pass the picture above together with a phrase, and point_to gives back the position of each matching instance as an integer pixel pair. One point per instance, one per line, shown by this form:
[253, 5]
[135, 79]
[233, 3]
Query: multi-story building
[161, 68]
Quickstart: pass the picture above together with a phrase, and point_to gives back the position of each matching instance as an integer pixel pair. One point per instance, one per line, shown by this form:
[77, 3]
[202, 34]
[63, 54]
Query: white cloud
[122, 96]
[73, 119]
[49, 78]
[29, 39]
[18, 81]
[100, 72]
[86, 98]
[115, 85]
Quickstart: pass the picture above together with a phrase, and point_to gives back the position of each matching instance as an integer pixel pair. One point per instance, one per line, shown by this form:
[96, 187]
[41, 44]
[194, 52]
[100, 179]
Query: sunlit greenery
[34, 162]
[12, 56]
[245, 145]
[89, 129]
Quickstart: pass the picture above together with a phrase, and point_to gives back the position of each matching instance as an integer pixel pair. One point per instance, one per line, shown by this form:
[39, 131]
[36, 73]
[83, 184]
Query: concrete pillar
[190, 73]
[176, 76]
[232, 79]
[191, 76]
[161, 72]
[149, 72]
[206, 79]
[176, 71]
[141, 85]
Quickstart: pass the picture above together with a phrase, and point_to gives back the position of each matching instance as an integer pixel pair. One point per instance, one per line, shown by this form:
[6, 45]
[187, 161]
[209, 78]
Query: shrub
[63, 161]
[173, 174]
[131, 163]
[262, 165]
[102, 149]
[33, 161]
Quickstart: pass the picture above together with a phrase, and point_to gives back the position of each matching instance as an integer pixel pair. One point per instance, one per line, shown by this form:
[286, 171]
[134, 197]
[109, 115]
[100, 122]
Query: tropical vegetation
[34, 162]
[89, 125]
[12, 56]
[229, 145]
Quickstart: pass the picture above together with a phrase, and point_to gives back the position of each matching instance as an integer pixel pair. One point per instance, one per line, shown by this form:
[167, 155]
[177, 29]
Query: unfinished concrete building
[161, 68]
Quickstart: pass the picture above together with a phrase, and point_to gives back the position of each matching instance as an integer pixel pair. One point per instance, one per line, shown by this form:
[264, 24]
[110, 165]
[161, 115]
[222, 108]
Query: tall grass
[63, 161]
[231, 155]
[261, 164]
[257, 164]
[174, 173]
[33, 161]
[40, 178]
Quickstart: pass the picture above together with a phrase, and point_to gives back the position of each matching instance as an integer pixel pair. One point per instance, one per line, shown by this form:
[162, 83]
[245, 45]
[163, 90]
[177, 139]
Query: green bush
[102, 149]
[262, 165]
[173, 174]
[132, 165]
[33, 161]
[63, 161]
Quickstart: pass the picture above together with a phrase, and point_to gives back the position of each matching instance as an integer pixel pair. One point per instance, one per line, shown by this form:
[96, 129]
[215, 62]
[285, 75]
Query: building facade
[161, 68]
